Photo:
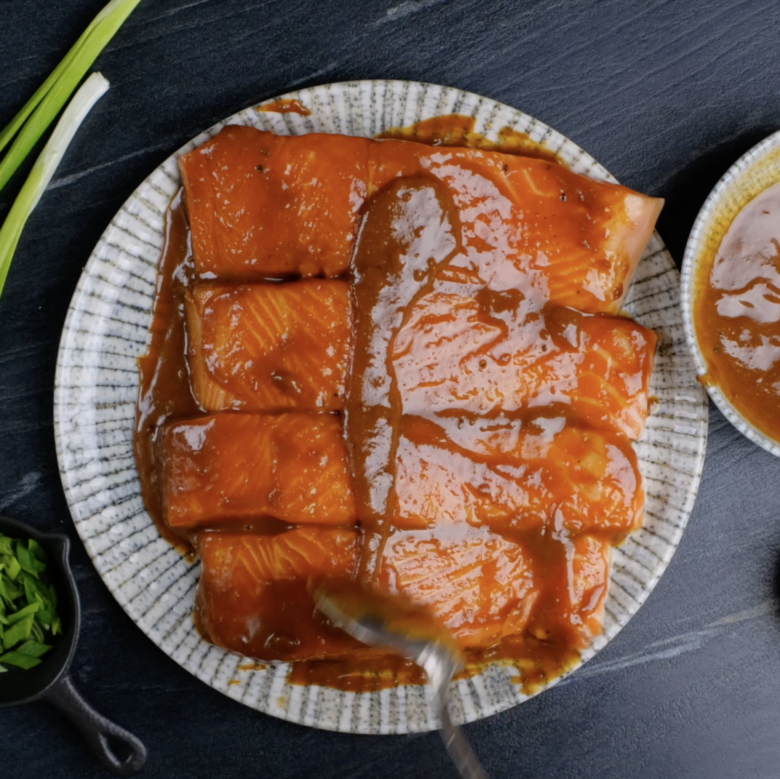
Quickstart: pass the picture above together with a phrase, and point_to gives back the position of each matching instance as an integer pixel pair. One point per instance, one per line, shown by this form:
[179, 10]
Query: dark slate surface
[666, 95]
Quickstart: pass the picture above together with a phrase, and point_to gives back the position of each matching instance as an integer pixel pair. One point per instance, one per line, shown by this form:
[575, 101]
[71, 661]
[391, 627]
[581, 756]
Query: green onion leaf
[22, 613]
[27, 561]
[33, 649]
[6, 545]
[47, 102]
[18, 632]
[19, 660]
[11, 567]
[40, 175]
[9, 590]
[35, 589]
[38, 551]
[37, 630]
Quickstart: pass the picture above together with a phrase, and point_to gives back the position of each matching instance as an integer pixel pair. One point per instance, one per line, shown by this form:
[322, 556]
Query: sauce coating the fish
[265, 206]
[469, 510]
[482, 435]
[737, 313]
[269, 347]
[285, 106]
[164, 392]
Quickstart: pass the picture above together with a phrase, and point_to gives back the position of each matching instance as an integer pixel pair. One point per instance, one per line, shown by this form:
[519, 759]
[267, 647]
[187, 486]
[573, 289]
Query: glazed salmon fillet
[477, 584]
[531, 224]
[485, 587]
[415, 375]
[269, 347]
[267, 206]
[291, 467]
[483, 354]
[543, 472]
[253, 595]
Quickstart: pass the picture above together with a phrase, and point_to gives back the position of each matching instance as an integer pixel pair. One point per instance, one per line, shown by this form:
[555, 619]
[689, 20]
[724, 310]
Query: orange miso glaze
[491, 585]
[458, 130]
[441, 341]
[164, 380]
[285, 106]
[737, 313]
[253, 596]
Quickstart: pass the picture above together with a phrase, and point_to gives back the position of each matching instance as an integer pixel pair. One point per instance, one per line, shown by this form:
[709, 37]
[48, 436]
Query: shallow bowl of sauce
[731, 294]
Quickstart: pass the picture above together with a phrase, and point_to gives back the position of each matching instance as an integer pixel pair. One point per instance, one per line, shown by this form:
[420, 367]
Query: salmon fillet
[292, 467]
[491, 395]
[486, 354]
[532, 224]
[485, 587]
[267, 206]
[541, 473]
[253, 599]
[477, 584]
[269, 347]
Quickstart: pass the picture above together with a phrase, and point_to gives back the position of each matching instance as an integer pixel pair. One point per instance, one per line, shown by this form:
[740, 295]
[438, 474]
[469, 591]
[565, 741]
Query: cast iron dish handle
[97, 729]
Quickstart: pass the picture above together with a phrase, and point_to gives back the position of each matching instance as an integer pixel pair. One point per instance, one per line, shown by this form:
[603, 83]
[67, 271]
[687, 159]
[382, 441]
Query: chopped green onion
[37, 631]
[18, 632]
[25, 612]
[11, 566]
[28, 611]
[27, 561]
[19, 660]
[8, 589]
[33, 649]
[47, 102]
[40, 175]
[37, 550]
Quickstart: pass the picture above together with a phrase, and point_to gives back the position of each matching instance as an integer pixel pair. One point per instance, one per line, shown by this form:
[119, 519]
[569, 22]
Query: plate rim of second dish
[96, 383]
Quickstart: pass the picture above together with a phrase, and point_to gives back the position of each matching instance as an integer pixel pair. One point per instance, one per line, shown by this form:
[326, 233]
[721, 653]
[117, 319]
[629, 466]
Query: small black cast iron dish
[50, 680]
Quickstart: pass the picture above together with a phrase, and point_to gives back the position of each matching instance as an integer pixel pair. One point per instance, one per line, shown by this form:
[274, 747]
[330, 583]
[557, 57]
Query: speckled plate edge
[753, 172]
[107, 328]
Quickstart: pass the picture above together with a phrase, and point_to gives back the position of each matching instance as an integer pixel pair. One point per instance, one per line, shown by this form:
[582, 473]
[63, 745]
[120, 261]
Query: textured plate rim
[473, 696]
[694, 250]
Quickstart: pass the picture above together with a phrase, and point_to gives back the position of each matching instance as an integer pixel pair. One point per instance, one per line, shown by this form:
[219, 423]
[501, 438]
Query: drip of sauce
[458, 130]
[165, 390]
[737, 313]
[407, 233]
[285, 106]
[164, 377]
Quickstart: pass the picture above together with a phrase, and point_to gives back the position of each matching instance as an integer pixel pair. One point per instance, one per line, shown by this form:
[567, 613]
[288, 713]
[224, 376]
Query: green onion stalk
[42, 108]
[45, 166]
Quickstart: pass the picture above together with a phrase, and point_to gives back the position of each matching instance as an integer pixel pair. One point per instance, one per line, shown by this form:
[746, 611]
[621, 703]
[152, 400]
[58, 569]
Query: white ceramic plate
[107, 328]
[750, 175]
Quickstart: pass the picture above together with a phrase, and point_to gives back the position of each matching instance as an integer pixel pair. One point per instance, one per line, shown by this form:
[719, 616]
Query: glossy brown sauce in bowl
[737, 313]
